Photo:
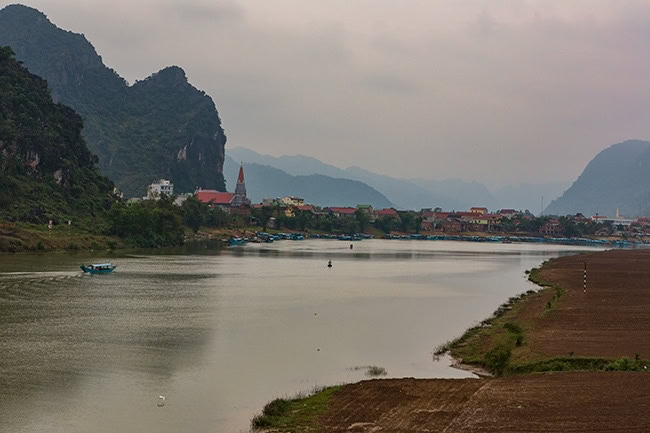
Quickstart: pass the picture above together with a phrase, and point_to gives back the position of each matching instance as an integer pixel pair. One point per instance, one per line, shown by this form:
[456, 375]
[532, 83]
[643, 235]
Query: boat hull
[88, 270]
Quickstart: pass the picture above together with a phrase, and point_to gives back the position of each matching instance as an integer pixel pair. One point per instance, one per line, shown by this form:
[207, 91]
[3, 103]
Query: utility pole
[584, 286]
[541, 207]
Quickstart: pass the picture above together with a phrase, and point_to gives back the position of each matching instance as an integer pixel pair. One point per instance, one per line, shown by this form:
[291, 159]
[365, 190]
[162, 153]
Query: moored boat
[98, 268]
[237, 241]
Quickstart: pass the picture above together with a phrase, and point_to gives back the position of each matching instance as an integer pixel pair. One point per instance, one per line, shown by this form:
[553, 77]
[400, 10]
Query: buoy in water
[161, 400]
[329, 264]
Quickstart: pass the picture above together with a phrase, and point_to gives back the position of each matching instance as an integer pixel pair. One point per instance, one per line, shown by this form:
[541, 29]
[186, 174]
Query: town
[293, 214]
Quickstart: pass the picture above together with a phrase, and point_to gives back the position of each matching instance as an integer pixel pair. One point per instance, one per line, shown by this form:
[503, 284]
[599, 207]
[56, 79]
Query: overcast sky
[501, 91]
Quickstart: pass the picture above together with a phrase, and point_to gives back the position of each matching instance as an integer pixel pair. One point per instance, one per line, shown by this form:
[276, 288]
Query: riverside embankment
[600, 334]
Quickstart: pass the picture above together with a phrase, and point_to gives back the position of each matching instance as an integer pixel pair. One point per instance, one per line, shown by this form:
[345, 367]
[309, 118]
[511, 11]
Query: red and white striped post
[584, 287]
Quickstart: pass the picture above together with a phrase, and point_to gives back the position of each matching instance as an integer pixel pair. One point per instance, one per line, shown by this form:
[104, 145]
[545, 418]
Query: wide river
[221, 332]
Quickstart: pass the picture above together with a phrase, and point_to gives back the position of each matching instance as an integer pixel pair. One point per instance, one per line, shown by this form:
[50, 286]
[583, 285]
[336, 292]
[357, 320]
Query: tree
[386, 224]
[407, 221]
[193, 213]
[362, 218]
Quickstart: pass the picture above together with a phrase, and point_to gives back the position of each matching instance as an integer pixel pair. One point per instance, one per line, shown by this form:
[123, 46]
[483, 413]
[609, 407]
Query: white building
[157, 189]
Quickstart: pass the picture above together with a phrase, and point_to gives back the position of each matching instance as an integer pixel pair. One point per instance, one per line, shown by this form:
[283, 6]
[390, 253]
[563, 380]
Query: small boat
[98, 268]
[237, 241]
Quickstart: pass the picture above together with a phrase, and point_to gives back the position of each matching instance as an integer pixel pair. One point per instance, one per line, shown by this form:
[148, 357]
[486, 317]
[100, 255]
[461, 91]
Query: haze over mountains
[160, 127]
[413, 193]
[264, 181]
[617, 178]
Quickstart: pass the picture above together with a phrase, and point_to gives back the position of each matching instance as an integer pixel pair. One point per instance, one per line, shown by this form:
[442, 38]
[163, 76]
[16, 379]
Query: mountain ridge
[264, 181]
[417, 193]
[617, 178]
[161, 126]
[47, 172]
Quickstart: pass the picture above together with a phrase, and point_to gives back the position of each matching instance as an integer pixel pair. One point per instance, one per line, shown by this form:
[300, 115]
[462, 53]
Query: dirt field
[553, 402]
[611, 320]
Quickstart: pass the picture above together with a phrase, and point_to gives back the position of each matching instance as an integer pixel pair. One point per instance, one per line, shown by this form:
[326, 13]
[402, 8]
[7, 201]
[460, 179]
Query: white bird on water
[161, 400]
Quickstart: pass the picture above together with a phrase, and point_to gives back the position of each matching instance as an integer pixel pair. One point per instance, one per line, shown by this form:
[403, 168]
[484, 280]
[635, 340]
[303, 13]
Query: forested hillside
[46, 170]
[160, 127]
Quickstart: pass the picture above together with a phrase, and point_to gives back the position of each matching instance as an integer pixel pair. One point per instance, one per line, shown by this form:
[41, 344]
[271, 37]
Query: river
[221, 332]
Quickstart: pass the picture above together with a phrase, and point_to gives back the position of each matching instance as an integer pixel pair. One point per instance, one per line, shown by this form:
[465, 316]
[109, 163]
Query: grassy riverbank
[31, 238]
[504, 344]
[298, 414]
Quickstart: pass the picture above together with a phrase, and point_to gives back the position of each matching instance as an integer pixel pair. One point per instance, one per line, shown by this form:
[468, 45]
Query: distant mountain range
[160, 127]
[451, 194]
[617, 178]
[263, 181]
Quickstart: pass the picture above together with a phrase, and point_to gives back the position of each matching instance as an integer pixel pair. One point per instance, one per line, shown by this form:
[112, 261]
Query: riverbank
[552, 328]
[16, 238]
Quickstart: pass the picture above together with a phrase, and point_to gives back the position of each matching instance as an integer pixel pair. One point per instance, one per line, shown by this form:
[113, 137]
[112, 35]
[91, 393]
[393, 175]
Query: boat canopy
[101, 265]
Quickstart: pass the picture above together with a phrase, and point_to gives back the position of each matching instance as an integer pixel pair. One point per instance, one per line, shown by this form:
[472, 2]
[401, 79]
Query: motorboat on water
[98, 268]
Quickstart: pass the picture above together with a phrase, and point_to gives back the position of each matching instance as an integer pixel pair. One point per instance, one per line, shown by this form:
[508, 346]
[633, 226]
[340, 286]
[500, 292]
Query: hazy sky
[498, 91]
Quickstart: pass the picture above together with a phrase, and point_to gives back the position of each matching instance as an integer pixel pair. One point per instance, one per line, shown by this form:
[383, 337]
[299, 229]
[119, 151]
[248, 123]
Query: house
[478, 210]
[508, 213]
[215, 198]
[428, 216]
[157, 189]
[305, 208]
[291, 201]
[339, 212]
[389, 212]
[551, 227]
[451, 226]
[579, 218]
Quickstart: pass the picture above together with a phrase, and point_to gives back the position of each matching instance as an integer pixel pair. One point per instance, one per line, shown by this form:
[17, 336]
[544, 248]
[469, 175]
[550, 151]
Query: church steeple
[240, 189]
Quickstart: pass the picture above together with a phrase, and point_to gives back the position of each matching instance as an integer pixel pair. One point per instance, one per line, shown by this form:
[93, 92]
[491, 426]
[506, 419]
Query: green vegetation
[296, 415]
[498, 344]
[46, 171]
[47, 174]
[160, 127]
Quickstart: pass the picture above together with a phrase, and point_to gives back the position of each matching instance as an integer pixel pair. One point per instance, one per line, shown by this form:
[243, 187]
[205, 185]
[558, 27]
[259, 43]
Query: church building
[226, 200]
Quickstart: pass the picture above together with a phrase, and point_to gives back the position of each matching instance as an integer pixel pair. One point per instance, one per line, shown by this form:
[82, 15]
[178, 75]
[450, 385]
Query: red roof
[305, 208]
[214, 197]
[343, 210]
[386, 212]
[240, 178]
[508, 211]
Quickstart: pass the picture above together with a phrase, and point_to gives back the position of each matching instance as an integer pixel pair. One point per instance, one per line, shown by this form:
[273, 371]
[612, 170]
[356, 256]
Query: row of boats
[263, 237]
[268, 238]
[511, 239]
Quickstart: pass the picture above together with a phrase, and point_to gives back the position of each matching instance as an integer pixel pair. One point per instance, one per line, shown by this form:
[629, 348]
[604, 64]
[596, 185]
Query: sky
[499, 91]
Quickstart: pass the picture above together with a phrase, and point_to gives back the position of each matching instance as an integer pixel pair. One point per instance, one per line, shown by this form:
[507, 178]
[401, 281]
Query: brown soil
[610, 320]
[556, 402]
